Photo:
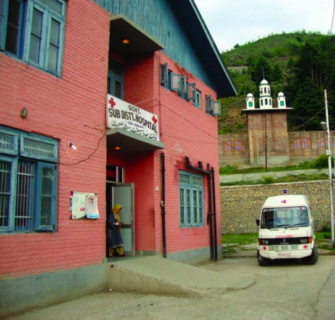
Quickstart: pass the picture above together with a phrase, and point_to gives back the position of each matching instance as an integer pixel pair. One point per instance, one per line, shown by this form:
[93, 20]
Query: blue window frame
[178, 83]
[29, 179]
[217, 108]
[209, 104]
[33, 30]
[197, 100]
[115, 83]
[165, 76]
[191, 200]
[213, 107]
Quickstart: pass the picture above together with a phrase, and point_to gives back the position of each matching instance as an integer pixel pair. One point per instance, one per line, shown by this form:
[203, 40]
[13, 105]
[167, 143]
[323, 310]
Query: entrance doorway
[123, 194]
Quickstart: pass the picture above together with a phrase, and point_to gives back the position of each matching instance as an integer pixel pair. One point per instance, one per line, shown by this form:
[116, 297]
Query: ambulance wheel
[312, 259]
[262, 261]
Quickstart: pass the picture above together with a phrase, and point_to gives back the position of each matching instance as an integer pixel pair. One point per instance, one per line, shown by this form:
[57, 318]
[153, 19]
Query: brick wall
[283, 148]
[241, 206]
[186, 131]
[66, 109]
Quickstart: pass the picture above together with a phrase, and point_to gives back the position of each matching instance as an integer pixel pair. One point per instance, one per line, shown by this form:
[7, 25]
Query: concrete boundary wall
[40, 290]
[241, 205]
[275, 175]
[24, 293]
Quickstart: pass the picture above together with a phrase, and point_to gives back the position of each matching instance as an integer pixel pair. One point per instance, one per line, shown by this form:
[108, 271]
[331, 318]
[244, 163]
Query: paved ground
[285, 290]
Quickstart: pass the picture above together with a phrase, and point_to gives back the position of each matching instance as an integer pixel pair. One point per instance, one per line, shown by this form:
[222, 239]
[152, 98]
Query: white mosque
[265, 99]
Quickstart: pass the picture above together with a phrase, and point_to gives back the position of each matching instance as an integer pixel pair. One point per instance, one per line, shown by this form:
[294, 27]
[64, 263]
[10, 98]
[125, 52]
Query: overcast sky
[232, 22]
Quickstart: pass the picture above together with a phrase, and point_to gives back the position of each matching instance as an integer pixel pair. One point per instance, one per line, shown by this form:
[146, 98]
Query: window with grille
[33, 30]
[28, 182]
[191, 199]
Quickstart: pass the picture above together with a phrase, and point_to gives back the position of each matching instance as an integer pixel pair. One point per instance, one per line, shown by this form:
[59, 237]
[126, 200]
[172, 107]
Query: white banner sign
[123, 115]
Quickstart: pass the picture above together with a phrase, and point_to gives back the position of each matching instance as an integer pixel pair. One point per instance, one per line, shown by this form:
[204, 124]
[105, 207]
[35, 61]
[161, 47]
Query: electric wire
[87, 158]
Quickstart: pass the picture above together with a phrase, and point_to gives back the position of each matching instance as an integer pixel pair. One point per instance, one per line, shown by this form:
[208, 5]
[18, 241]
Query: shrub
[320, 162]
[227, 170]
[268, 180]
[325, 228]
[305, 165]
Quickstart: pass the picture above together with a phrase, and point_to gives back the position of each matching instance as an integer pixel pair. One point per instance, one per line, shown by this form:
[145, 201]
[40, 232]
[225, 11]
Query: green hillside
[299, 64]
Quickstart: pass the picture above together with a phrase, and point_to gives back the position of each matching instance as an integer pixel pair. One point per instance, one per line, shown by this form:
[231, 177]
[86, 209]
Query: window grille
[28, 182]
[24, 209]
[191, 200]
[5, 173]
[46, 196]
[8, 143]
[38, 149]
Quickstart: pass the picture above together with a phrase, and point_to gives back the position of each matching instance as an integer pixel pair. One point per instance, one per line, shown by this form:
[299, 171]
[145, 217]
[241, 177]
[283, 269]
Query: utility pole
[325, 126]
[265, 144]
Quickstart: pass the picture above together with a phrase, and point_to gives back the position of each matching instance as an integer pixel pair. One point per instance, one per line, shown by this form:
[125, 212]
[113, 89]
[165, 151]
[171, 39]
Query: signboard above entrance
[122, 115]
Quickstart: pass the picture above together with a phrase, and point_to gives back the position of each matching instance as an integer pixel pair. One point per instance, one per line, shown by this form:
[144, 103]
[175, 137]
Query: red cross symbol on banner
[154, 120]
[112, 103]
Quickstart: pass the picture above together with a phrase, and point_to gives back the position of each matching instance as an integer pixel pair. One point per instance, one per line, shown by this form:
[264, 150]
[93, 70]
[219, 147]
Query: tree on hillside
[312, 73]
[308, 107]
[277, 74]
[260, 70]
[309, 65]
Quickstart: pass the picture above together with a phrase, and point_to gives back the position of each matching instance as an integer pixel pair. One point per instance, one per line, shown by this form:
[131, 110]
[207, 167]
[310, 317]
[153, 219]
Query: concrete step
[157, 275]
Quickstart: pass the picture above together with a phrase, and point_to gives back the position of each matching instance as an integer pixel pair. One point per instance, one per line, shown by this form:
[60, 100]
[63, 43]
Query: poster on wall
[91, 207]
[84, 205]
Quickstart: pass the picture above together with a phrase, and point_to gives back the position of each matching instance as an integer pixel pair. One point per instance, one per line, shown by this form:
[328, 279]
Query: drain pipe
[214, 214]
[209, 216]
[163, 204]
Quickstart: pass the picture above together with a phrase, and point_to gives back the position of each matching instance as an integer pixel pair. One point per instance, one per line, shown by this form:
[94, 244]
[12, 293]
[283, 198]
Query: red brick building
[104, 102]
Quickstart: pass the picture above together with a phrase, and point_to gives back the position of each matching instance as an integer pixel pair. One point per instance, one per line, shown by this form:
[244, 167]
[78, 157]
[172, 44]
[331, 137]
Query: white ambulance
[286, 230]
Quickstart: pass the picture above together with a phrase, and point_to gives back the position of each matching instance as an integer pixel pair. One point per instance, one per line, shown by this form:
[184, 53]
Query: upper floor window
[28, 188]
[165, 76]
[197, 100]
[178, 83]
[191, 200]
[33, 30]
[213, 107]
[115, 83]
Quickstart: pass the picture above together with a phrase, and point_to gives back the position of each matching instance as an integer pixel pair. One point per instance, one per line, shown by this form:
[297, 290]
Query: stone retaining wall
[241, 205]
